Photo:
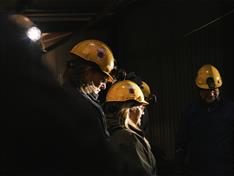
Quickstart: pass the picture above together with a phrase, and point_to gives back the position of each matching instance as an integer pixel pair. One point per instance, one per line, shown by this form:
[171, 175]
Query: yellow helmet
[124, 91]
[208, 77]
[97, 52]
[145, 89]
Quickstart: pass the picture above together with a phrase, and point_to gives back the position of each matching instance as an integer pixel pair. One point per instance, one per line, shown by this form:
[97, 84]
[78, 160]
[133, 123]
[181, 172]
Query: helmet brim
[110, 78]
[144, 103]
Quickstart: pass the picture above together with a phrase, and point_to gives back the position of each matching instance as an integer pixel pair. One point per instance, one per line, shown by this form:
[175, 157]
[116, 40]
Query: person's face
[135, 114]
[98, 78]
[209, 95]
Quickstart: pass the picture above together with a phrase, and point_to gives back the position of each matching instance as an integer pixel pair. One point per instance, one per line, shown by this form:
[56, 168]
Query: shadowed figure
[40, 128]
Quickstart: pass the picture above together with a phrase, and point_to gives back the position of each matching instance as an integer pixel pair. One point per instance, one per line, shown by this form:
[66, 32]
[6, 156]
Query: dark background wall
[152, 41]
[158, 41]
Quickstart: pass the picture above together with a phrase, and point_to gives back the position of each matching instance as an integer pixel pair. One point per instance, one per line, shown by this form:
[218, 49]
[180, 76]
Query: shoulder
[82, 104]
[125, 133]
[228, 103]
[70, 90]
[228, 107]
[77, 96]
[123, 136]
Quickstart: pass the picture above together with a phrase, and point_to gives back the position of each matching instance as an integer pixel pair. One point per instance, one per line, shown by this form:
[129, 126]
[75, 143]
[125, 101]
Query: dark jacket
[91, 104]
[205, 139]
[137, 158]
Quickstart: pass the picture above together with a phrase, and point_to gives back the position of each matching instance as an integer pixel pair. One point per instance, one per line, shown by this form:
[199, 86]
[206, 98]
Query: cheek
[136, 113]
[97, 80]
[97, 83]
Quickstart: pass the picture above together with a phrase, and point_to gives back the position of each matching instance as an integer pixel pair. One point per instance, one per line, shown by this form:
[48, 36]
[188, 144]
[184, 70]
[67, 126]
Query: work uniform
[205, 139]
[135, 153]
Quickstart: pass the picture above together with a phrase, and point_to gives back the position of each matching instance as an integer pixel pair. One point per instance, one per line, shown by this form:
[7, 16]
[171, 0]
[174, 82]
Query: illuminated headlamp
[34, 33]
